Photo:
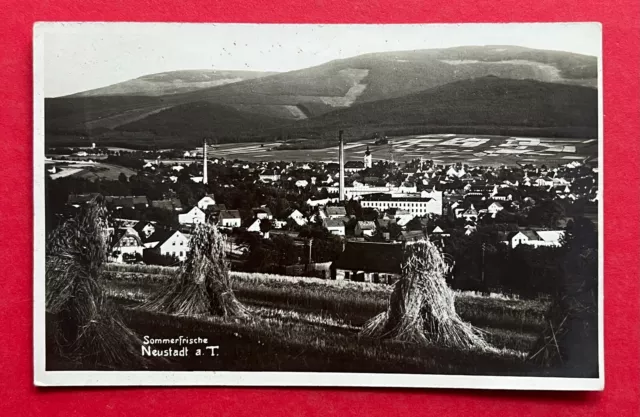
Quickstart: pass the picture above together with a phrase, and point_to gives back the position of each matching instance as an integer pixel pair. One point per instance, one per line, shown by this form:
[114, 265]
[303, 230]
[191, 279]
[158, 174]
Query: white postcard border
[44, 378]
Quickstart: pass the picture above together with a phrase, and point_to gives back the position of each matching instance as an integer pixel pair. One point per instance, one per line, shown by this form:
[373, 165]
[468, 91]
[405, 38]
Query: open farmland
[306, 324]
[441, 148]
[91, 170]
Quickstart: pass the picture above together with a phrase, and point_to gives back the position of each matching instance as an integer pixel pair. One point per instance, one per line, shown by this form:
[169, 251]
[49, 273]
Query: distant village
[342, 219]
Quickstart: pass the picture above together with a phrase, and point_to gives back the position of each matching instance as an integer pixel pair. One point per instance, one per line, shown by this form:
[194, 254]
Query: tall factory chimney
[341, 162]
[204, 166]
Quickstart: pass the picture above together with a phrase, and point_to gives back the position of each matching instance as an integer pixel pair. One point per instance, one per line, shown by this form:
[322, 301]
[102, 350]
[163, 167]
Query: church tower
[367, 158]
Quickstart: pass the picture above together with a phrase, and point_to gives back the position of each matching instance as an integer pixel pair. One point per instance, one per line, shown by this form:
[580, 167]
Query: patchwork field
[441, 148]
[90, 170]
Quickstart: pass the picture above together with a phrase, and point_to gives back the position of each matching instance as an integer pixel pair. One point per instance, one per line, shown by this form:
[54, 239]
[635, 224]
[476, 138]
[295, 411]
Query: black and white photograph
[358, 205]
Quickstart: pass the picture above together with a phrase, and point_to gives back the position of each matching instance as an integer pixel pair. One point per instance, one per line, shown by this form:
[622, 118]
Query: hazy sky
[79, 57]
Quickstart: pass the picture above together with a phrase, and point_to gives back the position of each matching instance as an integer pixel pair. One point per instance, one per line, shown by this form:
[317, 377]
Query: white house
[535, 238]
[206, 201]
[544, 182]
[403, 217]
[255, 228]
[494, 207]
[334, 226]
[269, 176]
[172, 243]
[262, 213]
[144, 229]
[193, 216]
[302, 183]
[365, 228]
[322, 202]
[298, 218]
[335, 212]
[126, 243]
[229, 218]
[470, 214]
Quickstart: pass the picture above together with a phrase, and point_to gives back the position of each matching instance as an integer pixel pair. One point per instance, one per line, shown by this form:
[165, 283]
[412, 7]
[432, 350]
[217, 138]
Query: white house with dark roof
[334, 226]
[126, 243]
[353, 166]
[170, 243]
[470, 214]
[254, 227]
[494, 207]
[229, 219]
[192, 217]
[144, 229]
[297, 217]
[535, 238]
[206, 201]
[365, 228]
[262, 213]
[335, 212]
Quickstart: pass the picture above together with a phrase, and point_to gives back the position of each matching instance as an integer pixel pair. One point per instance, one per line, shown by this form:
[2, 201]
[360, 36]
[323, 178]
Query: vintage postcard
[318, 205]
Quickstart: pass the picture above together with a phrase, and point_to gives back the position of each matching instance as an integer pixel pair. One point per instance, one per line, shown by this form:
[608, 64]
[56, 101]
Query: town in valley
[300, 218]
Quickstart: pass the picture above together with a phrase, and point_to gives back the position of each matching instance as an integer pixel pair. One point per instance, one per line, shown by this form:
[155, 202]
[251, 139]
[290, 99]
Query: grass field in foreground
[306, 324]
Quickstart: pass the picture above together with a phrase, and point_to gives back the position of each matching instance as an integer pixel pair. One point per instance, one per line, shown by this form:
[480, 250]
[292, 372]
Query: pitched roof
[471, 211]
[81, 198]
[366, 225]
[141, 225]
[216, 207]
[161, 235]
[262, 210]
[370, 257]
[412, 235]
[229, 214]
[385, 222]
[333, 223]
[354, 164]
[553, 236]
[168, 204]
[336, 211]
[120, 233]
[530, 234]
[130, 201]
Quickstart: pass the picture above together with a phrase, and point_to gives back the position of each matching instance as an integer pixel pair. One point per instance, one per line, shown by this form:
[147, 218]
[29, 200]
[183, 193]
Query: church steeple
[367, 158]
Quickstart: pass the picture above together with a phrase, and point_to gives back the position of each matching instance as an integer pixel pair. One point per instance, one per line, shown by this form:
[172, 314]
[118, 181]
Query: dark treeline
[483, 263]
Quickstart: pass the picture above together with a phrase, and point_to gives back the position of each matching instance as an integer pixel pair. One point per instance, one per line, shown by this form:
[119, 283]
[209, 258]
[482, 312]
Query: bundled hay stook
[85, 328]
[202, 284]
[422, 307]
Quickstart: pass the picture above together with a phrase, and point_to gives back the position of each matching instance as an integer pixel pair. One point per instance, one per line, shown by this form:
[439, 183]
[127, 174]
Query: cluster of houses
[131, 238]
[418, 190]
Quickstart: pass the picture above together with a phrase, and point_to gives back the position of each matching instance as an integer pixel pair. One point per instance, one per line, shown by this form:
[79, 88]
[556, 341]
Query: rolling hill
[172, 82]
[484, 105]
[485, 101]
[403, 87]
[201, 119]
[378, 76]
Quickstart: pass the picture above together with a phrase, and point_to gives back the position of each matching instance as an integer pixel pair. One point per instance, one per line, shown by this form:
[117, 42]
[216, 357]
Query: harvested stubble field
[306, 324]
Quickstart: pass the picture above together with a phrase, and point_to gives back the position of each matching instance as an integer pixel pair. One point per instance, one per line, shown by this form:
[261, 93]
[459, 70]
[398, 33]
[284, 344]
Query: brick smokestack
[205, 180]
[341, 162]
